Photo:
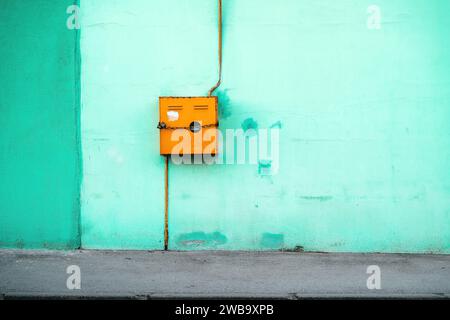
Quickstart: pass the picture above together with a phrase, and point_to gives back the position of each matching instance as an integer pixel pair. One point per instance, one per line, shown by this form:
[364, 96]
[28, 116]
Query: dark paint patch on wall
[264, 167]
[224, 104]
[272, 240]
[316, 198]
[249, 124]
[276, 125]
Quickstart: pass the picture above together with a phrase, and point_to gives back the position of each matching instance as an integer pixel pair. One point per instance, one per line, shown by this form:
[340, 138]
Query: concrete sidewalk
[206, 274]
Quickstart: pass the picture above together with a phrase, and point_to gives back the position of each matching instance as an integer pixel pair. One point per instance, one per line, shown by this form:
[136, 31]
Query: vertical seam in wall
[77, 106]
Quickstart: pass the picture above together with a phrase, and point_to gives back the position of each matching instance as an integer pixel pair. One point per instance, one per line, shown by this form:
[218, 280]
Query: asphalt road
[221, 274]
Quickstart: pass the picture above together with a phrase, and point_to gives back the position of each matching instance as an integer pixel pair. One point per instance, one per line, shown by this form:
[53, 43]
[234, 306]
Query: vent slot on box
[202, 107]
[175, 107]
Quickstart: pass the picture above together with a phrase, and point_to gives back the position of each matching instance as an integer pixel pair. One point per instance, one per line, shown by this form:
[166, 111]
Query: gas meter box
[188, 125]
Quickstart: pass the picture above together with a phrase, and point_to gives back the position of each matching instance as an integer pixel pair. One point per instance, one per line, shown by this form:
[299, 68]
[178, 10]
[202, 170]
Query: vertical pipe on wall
[220, 50]
[166, 204]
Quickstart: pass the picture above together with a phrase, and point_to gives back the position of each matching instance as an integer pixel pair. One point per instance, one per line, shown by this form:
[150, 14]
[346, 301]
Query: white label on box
[172, 115]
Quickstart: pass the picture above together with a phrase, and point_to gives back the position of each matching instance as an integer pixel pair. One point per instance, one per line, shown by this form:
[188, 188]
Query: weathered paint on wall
[123, 182]
[364, 138]
[39, 111]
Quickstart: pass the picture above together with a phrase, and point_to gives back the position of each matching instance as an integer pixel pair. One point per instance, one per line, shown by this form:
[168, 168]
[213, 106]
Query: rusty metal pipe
[220, 52]
[166, 204]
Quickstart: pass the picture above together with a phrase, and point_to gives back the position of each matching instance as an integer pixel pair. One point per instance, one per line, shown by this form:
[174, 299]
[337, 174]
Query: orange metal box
[191, 119]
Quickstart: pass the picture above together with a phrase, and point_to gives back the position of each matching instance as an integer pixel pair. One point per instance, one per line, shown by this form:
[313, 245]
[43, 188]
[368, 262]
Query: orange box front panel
[188, 125]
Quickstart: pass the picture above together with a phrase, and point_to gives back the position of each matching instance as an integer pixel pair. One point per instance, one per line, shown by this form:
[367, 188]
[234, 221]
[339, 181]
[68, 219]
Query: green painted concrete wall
[123, 181]
[364, 116]
[39, 112]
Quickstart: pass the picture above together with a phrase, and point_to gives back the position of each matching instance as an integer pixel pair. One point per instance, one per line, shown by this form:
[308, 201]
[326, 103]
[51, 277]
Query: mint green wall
[39, 111]
[364, 154]
[123, 181]
[364, 115]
